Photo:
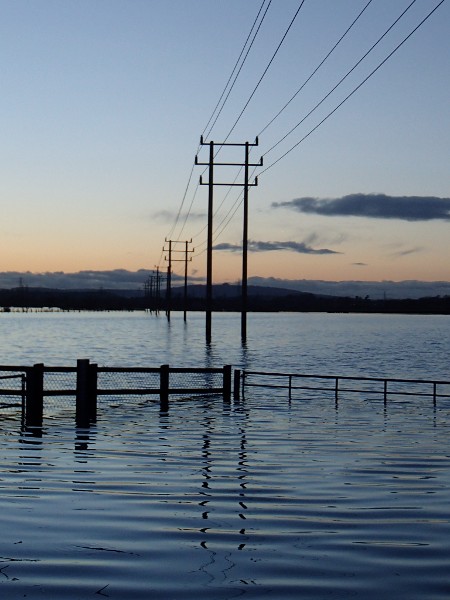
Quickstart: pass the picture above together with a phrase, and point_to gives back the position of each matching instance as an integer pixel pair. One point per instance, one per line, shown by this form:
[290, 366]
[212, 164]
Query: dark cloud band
[374, 206]
[255, 246]
[115, 279]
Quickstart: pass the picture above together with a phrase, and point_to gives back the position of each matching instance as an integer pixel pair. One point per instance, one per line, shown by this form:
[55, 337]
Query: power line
[229, 216]
[355, 89]
[341, 80]
[316, 69]
[221, 108]
[205, 135]
[182, 203]
[235, 206]
[260, 80]
[265, 70]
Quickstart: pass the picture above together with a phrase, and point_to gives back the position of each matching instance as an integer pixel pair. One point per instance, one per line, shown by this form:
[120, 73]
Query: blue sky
[102, 107]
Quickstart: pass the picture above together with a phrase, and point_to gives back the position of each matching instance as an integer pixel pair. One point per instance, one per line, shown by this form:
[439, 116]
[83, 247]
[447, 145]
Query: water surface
[262, 498]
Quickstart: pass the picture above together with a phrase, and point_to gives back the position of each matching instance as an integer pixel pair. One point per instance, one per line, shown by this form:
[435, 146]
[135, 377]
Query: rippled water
[264, 498]
[349, 344]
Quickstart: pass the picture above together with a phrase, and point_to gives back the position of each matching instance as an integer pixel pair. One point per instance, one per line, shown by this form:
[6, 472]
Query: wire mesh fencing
[49, 391]
[12, 389]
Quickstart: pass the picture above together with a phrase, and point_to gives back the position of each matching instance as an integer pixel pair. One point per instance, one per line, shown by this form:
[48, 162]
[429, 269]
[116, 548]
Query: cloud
[401, 253]
[168, 216]
[255, 246]
[114, 279]
[376, 289]
[374, 206]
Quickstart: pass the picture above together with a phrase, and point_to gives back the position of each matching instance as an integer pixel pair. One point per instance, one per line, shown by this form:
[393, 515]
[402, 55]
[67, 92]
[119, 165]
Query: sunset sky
[103, 103]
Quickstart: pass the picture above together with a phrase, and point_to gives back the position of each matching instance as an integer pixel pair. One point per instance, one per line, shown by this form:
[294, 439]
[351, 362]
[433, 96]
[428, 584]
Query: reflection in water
[85, 439]
[223, 494]
[219, 501]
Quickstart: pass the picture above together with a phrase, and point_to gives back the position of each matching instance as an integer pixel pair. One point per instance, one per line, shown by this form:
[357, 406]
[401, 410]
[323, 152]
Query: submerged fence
[87, 382]
[26, 387]
[379, 386]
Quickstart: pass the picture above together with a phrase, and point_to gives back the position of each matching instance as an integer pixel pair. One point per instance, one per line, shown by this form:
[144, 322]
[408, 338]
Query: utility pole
[211, 183]
[186, 259]
[148, 293]
[169, 279]
[210, 165]
[186, 251]
[157, 290]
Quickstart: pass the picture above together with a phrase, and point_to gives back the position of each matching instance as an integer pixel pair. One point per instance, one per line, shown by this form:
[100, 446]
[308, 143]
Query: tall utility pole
[186, 251]
[148, 293]
[186, 259]
[157, 291]
[152, 291]
[211, 183]
[169, 278]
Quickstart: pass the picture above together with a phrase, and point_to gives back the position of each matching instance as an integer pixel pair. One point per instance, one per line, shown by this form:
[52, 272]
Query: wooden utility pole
[211, 183]
[186, 251]
[186, 259]
[169, 278]
[157, 290]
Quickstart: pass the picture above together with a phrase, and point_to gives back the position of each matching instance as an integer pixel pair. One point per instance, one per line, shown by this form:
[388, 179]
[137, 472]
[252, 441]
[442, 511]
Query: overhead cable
[205, 133]
[341, 80]
[218, 103]
[355, 89]
[265, 71]
[315, 70]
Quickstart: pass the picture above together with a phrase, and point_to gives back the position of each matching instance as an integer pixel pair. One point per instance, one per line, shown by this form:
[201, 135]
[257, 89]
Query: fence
[26, 387]
[9, 395]
[87, 382]
[378, 386]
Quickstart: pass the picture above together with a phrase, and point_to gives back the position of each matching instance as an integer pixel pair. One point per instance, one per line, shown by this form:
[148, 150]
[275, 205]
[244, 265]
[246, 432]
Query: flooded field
[262, 498]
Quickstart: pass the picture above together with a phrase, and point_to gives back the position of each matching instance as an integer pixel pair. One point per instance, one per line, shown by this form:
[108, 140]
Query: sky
[103, 103]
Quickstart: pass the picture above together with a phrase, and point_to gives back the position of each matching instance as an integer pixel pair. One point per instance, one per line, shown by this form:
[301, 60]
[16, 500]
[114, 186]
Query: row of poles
[152, 287]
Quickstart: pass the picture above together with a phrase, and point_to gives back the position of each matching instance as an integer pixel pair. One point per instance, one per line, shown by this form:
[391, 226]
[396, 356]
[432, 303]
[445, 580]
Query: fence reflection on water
[259, 497]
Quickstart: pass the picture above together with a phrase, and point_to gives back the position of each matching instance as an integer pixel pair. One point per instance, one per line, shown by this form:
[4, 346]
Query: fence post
[385, 391]
[164, 388]
[93, 369]
[237, 381]
[35, 396]
[86, 395]
[227, 383]
[24, 396]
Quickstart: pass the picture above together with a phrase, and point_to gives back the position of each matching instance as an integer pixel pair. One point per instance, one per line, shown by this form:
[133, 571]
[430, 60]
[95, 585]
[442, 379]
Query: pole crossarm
[203, 143]
[230, 164]
[231, 184]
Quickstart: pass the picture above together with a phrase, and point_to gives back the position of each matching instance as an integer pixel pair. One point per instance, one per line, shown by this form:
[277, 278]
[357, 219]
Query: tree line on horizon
[39, 298]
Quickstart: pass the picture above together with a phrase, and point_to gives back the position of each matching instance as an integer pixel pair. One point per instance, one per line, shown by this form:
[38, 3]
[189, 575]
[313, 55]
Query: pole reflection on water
[262, 497]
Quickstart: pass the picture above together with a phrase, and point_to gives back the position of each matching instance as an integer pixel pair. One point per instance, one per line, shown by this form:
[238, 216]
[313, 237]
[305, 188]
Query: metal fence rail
[379, 386]
[87, 382]
[9, 395]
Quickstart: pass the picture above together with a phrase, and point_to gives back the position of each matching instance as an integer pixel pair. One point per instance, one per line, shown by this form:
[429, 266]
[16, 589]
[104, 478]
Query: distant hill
[373, 289]
[130, 284]
[229, 290]
[225, 297]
